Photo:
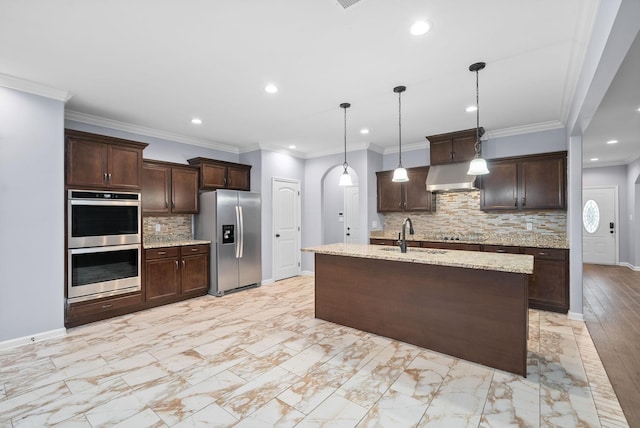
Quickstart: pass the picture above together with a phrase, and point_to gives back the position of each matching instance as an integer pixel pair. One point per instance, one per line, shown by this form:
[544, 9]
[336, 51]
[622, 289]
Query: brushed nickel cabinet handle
[104, 177]
[500, 251]
[106, 306]
[194, 249]
[183, 264]
[109, 175]
[162, 253]
[541, 253]
[176, 265]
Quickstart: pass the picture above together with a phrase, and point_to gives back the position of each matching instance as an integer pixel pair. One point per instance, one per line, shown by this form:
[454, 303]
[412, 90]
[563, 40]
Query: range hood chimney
[450, 178]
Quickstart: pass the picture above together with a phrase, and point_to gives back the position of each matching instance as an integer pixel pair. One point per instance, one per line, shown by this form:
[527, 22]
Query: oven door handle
[105, 203]
[105, 249]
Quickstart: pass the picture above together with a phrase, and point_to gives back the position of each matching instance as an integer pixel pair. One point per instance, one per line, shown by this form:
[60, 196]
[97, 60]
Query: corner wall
[31, 216]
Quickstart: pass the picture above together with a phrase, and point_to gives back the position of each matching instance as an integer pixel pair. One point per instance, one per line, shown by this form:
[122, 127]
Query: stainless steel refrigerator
[231, 221]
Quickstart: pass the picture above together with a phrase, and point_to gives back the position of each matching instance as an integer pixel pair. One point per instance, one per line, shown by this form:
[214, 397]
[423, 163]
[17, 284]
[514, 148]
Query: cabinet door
[441, 151]
[416, 197]
[156, 183]
[389, 193]
[549, 285]
[464, 148]
[499, 188]
[542, 184]
[213, 176]
[86, 163]
[184, 191]
[124, 167]
[195, 273]
[239, 178]
[162, 279]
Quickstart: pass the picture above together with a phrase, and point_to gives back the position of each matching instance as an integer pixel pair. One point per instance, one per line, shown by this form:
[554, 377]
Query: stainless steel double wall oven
[104, 244]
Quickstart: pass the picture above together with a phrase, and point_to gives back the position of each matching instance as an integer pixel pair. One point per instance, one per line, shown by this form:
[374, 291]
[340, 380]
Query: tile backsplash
[172, 228]
[459, 213]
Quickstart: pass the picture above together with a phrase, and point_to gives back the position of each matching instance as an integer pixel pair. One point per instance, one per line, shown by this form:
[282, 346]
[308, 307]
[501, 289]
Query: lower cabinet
[176, 273]
[549, 284]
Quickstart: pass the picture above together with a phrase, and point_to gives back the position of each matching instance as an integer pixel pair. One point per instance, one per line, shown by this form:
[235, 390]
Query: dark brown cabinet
[408, 196]
[452, 246]
[97, 161]
[176, 273]
[525, 183]
[452, 147]
[549, 284]
[216, 174]
[169, 188]
[85, 312]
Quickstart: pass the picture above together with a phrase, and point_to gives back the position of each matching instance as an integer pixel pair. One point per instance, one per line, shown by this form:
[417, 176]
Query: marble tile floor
[259, 358]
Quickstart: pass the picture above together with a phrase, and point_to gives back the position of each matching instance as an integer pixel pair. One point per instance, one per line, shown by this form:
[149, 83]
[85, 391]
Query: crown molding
[353, 148]
[407, 147]
[276, 149]
[34, 88]
[526, 129]
[149, 132]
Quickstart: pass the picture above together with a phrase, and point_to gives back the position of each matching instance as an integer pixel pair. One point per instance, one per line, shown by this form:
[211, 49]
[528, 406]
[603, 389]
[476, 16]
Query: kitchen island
[466, 304]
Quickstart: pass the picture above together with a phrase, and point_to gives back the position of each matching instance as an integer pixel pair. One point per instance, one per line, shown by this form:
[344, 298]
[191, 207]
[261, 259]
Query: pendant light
[400, 173]
[345, 178]
[478, 166]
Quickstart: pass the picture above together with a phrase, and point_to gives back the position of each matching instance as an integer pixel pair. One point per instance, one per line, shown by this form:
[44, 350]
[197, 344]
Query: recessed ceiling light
[292, 146]
[364, 131]
[271, 88]
[593, 159]
[419, 28]
[471, 108]
[612, 142]
[196, 121]
[638, 108]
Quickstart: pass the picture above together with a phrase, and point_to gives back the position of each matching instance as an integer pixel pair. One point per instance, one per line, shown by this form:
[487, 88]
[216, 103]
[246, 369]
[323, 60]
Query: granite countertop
[536, 240]
[515, 263]
[174, 243]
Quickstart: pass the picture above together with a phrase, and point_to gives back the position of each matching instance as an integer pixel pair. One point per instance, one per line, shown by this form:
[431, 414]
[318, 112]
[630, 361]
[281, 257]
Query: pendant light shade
[400, 173]
[478, 166]
[345, 178]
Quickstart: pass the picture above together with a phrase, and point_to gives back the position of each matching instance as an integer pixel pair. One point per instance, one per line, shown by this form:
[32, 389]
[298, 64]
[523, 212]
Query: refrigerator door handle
[241, 232]
[238, 232]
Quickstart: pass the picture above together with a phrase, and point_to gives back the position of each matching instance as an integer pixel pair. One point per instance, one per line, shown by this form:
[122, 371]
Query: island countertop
[514, 263]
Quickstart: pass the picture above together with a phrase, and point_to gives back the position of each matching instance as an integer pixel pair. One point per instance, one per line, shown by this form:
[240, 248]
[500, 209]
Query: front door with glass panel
[599, 225]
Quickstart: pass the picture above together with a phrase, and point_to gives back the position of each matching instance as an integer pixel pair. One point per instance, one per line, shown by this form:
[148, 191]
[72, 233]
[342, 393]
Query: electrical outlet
[374, 224]
[157, 227]
[529, 226]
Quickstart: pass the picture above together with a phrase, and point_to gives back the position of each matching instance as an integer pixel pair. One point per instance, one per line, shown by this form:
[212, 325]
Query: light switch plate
[529, 226]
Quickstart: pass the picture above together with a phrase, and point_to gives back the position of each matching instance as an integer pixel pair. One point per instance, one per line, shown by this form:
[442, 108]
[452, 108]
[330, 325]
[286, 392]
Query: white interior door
[286, 228]
[352, 233]
[600, 225]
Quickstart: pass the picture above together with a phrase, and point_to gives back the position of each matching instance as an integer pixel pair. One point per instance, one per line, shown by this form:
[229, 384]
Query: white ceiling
[156, 64]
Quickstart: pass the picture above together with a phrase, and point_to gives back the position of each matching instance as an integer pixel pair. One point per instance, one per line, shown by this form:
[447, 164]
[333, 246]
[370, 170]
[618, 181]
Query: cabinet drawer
[94, 309]
[451, 246]
[546, 253]
[194, 249]
[501, 249]
[161, 253]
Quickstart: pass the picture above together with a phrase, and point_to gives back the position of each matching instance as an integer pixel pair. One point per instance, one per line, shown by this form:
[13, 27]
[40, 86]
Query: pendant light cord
[400, 129]
[477, 145]
[345, 139]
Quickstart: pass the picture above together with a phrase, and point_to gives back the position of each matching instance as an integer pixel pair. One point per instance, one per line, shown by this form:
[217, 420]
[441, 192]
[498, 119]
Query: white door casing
[286, 228]
[352, 215]
[600, 225]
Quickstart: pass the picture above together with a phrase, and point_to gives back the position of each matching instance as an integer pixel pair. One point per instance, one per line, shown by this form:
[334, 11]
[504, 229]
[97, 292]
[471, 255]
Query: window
[591, 216]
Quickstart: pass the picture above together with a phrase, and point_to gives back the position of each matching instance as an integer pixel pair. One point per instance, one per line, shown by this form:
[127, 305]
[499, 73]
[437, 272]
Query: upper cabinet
[97, 161]
[535, 182]
[453, 146]
[215, 174]
[408, 196]
[169, 188]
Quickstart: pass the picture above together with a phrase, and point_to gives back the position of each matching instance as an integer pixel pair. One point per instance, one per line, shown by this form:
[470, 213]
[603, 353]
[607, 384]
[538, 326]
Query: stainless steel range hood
[450, 178]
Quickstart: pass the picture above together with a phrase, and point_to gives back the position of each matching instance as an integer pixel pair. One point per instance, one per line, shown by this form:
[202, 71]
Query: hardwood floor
[612, 315]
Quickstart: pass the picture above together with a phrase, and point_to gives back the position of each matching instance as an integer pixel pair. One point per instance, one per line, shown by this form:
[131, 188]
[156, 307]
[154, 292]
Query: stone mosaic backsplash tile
[458, 213]
[172, 228]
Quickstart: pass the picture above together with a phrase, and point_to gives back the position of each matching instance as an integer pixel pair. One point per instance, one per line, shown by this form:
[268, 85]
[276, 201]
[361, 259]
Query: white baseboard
[38, 337]
[267, 281]
[630, 266]
[307, 273]
[576, 316]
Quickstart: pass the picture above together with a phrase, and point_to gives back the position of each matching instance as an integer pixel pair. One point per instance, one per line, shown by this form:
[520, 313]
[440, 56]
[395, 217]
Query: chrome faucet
[402, 238]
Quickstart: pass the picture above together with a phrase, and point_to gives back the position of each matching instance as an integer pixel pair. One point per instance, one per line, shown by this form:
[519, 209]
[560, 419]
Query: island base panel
[476, 315]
